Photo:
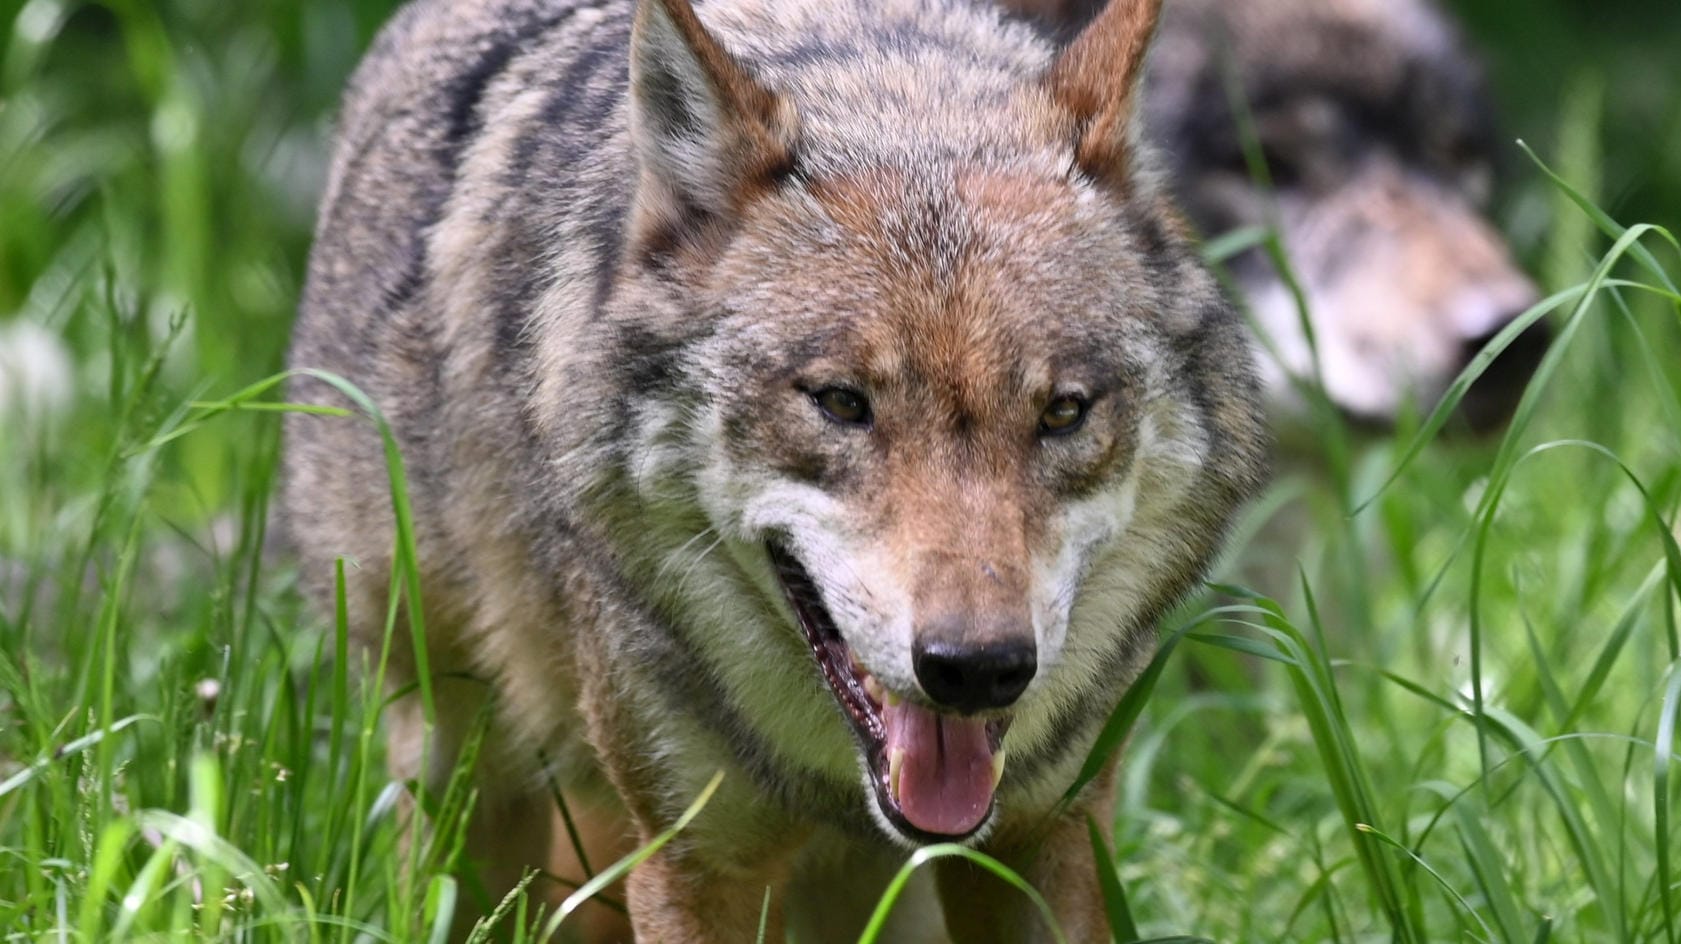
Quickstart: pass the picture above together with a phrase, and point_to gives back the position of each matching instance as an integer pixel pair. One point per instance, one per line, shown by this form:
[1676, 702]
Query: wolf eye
[1065, 415]
[844, 406]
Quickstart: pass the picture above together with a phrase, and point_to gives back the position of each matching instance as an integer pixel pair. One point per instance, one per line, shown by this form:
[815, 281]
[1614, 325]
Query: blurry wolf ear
[707, 135]
[1096, 78]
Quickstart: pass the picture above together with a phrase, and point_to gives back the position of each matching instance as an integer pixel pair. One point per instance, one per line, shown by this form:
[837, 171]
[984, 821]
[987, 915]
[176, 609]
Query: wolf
[824, 393]
[1374, 124]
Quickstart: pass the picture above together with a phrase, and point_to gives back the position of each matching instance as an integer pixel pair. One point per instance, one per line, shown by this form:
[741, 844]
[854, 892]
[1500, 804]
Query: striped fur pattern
[599, 263]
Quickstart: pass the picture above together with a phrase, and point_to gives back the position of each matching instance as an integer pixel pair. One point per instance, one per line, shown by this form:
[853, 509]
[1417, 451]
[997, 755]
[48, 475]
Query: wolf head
[1375, 127]
[942, 372]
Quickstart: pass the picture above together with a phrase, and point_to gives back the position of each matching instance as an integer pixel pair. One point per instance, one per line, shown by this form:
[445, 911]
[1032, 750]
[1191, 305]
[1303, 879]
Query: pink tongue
[945, 778]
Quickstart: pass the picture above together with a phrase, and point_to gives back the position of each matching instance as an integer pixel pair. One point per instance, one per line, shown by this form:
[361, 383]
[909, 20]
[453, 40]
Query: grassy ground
[1457, 724]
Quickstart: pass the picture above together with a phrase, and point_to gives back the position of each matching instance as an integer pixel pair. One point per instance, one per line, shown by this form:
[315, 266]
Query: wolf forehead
[1032, 252]
[926, 182]
[921, 215]
[960, 309]
[868, 78]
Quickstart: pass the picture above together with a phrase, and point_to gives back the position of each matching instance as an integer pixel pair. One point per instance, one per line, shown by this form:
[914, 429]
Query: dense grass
[1457, 721]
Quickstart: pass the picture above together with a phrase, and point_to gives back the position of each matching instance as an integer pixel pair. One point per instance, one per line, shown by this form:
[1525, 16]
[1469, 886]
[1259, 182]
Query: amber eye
[843, 406]
[1063, 416]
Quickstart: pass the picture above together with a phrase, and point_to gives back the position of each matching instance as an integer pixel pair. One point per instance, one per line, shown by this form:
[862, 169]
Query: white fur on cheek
[863, 592]
[1085, 526]
[1091, 589]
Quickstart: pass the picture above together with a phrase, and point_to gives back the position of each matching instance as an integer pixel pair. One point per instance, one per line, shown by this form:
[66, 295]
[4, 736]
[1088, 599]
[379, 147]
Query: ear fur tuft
[1097, 77]
[707, 134]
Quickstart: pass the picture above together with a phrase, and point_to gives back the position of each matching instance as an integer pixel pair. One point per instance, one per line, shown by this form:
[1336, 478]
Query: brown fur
[1097, 80]
[594, 262]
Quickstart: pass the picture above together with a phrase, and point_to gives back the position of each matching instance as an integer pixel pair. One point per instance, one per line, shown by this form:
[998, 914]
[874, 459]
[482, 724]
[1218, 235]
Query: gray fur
[506, 263]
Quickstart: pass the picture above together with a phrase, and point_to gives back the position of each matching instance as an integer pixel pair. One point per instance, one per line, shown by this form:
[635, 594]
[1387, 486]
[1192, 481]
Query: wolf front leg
[675, 900]
[721, 875]
[1059, 862]
[709, 882]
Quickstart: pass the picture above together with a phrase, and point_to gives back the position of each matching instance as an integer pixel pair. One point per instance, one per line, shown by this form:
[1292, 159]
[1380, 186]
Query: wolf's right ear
[1097, 78]
[707, 134]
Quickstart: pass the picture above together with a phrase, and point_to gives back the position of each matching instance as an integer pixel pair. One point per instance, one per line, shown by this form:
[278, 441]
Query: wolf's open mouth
[934, 773]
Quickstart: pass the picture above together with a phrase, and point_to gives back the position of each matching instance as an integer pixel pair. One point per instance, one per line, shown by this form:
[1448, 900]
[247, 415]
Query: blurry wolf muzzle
[1405, 283]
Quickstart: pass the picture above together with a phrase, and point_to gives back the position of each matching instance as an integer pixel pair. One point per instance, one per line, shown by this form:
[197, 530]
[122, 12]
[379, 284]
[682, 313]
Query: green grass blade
[1441, 882]
[621, 868]
[1608, 225]
[1118, 726]
[1121, 925]
[1345, 772]
[69, 750]
[1490, 872]
[930, 854]
[439, 908]
[764, 919]
[1663, 754]
[104, 875]
[1590, 856]
[181, 832]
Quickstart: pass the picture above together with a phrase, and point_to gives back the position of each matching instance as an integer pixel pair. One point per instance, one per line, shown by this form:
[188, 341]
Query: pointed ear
[1097, 79]
[706, 133]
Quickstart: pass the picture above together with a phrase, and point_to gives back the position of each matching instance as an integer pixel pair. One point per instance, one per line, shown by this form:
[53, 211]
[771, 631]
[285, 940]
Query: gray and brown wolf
[1373, 119]
[820, 392]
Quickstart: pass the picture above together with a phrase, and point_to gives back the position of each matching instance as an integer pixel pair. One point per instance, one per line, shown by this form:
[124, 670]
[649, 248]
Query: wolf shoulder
[476, 138]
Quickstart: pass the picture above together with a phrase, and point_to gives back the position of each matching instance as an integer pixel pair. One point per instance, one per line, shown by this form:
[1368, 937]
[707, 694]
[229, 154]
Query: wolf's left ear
[1097, 77]
[707, 134]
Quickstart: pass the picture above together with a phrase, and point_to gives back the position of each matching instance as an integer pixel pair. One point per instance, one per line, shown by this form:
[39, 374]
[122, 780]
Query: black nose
[970, 678]
[1490, 401]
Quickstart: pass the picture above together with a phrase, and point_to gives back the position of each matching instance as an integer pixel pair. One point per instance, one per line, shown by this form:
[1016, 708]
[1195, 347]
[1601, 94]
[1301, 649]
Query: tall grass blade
[930, 854]
[1441, 882]
[1663, 759]
[621, 868]
[1121, 925]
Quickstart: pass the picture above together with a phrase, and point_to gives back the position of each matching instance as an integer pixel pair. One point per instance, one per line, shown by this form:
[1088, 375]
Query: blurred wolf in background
[823, 392]
[1376, 129]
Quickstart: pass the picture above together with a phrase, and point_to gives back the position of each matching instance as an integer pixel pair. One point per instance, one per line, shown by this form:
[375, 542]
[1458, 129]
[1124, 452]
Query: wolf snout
[1489, 403]
[969, 677]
